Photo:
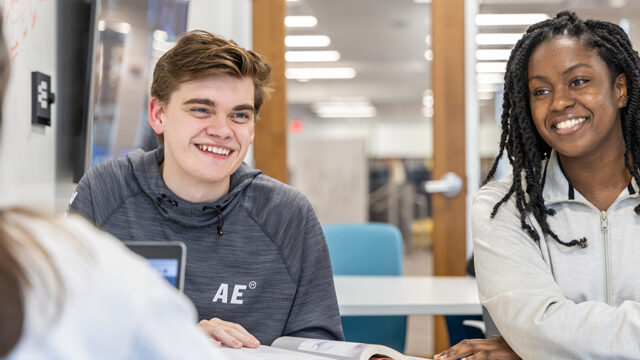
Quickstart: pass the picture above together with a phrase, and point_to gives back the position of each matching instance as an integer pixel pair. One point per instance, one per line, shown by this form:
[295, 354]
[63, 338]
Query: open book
[294, 348]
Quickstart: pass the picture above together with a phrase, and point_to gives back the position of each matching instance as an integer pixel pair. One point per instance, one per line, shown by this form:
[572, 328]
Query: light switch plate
[41, 98]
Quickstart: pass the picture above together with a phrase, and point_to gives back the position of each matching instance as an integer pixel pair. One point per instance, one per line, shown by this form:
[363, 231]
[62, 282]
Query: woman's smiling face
[575, 100]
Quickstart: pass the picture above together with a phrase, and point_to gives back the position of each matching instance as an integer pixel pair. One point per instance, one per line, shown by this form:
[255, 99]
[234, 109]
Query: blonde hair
[19, 250]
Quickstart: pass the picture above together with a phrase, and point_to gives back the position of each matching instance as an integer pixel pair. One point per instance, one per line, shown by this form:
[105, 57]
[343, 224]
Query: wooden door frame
[448, 69]
[270, 144]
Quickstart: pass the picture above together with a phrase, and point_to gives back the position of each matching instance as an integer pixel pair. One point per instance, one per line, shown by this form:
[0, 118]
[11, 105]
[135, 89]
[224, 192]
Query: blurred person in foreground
[70, 291]
[555, 244]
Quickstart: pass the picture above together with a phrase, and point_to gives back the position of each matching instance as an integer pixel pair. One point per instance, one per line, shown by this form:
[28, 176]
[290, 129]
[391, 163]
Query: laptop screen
[168, 268]
[167, 258]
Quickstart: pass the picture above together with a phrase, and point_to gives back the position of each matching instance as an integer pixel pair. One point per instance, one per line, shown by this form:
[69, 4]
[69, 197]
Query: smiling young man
[257, 262]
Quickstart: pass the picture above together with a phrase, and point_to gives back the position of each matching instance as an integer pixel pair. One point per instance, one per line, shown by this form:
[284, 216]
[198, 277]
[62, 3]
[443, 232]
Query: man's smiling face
[208, 126]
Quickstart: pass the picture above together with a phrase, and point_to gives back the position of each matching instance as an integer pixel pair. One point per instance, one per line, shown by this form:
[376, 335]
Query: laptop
[167, 258]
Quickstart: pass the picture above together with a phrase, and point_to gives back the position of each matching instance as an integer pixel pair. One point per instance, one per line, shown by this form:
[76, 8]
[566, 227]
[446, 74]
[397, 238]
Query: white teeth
[215, 150]
[567, 124]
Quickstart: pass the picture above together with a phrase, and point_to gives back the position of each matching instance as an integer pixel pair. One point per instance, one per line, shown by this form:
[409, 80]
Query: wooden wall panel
[270, 145]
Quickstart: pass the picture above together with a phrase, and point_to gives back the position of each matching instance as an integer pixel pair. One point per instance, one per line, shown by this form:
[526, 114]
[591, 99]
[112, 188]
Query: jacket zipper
[603, 230]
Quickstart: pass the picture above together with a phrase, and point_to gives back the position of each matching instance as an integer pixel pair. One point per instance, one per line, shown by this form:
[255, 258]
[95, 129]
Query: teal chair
[368, 249]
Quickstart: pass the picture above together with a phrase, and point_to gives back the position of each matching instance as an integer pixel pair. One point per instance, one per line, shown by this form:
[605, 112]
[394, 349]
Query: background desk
[407, 295]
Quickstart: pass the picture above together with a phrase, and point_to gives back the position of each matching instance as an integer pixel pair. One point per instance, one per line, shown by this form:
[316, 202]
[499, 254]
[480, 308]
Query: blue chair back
[368, 249]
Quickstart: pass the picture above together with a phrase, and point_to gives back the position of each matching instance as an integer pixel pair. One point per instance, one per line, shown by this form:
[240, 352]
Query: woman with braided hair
[556, 243]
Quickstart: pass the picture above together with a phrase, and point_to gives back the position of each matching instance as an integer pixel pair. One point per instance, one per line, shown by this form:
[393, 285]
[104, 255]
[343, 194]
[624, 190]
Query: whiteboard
[27, 153]
[333, 174]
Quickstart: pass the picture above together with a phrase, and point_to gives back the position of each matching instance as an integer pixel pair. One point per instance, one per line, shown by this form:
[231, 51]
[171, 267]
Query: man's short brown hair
[199, 54]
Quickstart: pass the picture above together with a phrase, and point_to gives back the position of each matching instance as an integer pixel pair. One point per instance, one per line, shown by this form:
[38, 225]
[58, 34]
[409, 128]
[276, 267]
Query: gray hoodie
[257, 256]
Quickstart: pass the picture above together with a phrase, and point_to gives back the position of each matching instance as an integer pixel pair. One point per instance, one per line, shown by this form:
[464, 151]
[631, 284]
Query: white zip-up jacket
[550, 301]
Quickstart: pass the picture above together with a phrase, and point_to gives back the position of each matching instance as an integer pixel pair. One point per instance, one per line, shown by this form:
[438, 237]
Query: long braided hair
[525, 148]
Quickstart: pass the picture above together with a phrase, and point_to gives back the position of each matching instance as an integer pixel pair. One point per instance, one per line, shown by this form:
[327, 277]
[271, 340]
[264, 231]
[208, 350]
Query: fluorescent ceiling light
[492, 54]
[509, 19]
[348, 112]
[345, 107]
[519, 2]
[160, 35]
[427, 100]
[428, 55]
[300, 21]
[307, 40]
[293, 0]
[617, 3]
[162, 46]
[487, 87]
[121, 27]
[497, 38]
[491, 67]
[489, 78]
[422, 1]
[427, 103]
[485, 95]
[320, 73]
[354, 99]
[311, 56]
[625, 25]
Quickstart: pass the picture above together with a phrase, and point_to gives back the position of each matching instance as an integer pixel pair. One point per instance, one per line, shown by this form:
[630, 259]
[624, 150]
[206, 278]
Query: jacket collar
[556, 187]
[170, 205]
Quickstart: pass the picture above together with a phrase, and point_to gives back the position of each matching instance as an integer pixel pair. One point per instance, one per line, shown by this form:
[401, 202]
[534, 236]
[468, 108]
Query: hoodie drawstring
[218, 209]
[163, 197]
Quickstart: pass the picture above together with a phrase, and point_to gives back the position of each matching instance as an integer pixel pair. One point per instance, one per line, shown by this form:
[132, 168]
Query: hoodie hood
[171, 206]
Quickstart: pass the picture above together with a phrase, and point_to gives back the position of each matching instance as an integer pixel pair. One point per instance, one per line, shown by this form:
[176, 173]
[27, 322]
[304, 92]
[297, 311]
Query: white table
[407, 295]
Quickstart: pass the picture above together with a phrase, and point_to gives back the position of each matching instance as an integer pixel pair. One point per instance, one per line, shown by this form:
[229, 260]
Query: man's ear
[621, 90]
[157, 116]
[253, 133]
